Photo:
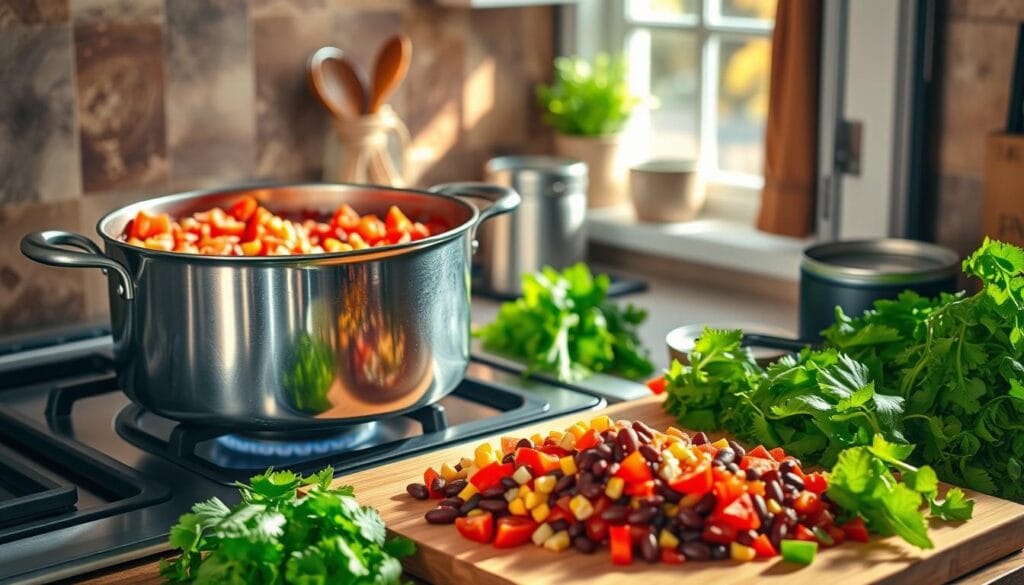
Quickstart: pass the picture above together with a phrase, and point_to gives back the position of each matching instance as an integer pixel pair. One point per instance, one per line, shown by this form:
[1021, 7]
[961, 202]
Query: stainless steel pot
[289, 342]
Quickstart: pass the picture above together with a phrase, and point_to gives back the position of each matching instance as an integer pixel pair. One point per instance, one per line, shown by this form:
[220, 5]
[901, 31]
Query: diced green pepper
[799, 551]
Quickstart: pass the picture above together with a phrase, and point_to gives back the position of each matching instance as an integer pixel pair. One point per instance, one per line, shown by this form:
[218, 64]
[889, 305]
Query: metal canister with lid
[546, 230]
[854, 274]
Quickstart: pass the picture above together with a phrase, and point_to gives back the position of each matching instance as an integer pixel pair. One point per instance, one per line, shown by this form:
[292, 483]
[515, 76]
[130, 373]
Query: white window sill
[723, 235]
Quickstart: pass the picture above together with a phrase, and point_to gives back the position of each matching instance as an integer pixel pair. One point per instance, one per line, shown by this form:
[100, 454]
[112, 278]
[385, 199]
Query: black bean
[455, 487]
[641, 515]
[778, 531]
[438, 484]
[689, 535]
[726, 455]
[791, 516]
[793, 480]
[770, 475]
[565, 484]
[650, 453]
[733, 467]
[557, 474]
[592, 491]
[443, 515]
[496, 492]
[698, 439]
[496, 506]
[613, 469]
[458, 467]
[599, 468]
[524, 444]
[584, 545]
[418, 491]
[614, 514]
[576, 529]
[559, 525]
[649, 549]
[642, 427]
[659, 521]
[706, 504]
[719, 552]
[509, 458]
[608, 435]
[452, 502]
[773, 490]
[509, 483]
[628, 440]
[618, 453]
[689, 518]
[469, 504]
[655, 501]
[603, 451]
[695, 550]
[753, 474]
[760, 507]
[740, 451]
[587, 458]
[644, 437]
[672, 496]
[786, 466]
[746, 537]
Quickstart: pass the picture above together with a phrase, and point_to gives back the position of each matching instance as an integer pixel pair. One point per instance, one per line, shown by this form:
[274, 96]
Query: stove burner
[348, 439]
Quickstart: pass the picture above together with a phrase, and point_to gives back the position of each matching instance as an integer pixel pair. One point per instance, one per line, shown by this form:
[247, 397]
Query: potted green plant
[588, 104]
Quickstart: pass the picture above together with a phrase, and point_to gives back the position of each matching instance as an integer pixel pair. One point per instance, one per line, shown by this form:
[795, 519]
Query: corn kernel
[742, 553]
[541, 534]
[522, 475]
[511, 494]
[484, 455]
[545, 484]
[448, 473]
[614, 488]
[690, 500]
[537, 439]
[465, 462]
[517, 508]
[601, 423]
[671, 510]
[568, 465]
[468, 492]
[556, 435]
[773, 506]
[667, 540]
[540, 512]
[470, 471]
[475, 512]
[720, 444]
[682, 452]
[558, 541]
[578, 430]
[581, 507]
[568, 442]
[533, 500]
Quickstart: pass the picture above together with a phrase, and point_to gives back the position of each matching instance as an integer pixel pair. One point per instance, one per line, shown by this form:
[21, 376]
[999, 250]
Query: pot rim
[351, 256]
[816, 262]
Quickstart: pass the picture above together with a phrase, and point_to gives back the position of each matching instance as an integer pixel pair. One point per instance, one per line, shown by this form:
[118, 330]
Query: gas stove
[88, 479]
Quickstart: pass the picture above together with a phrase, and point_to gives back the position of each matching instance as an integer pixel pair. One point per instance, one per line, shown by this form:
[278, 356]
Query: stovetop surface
[65, 425]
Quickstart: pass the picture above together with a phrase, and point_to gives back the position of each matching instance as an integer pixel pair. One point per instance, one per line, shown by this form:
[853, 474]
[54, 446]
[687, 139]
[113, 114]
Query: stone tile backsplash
[105, 102]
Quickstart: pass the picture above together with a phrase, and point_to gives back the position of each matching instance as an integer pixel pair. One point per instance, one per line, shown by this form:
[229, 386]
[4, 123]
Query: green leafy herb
[311, 376]
[588, 99]
[565, 324]
[275, 536]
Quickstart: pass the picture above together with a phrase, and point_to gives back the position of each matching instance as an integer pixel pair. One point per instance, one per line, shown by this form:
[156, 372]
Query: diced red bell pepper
[640, 490]
[760, 452]
[739, 515]
[621, 544]
[815, 482]
[837, 534]
[758, 464]
[601, 504]
[718, 533]
[491, 475]
[597, 528]
[696, 481]
[807, 503]
[557, 514]
[727, 489]
[634, 469]
[539, 463]
[671, 556]
[563, 503]
[551, 448]
[856, 530]
[778, 454]
[513, 531]
[657, 385]
[428, 479]
[763, 547]
[803, 533]
[589, 439]
[476, 528]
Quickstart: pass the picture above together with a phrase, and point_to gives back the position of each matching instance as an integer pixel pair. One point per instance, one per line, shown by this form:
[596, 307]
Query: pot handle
[775, 342]
[500, 199]
[52, 247]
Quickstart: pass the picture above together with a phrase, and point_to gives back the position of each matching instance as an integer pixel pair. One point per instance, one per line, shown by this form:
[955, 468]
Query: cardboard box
[1002, 213]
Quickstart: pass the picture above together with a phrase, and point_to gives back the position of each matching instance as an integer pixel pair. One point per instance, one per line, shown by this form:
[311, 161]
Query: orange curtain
[791, 132]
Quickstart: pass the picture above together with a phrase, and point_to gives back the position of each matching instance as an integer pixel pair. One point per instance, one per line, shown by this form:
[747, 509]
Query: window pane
[742, 103]
[661, 9]
[675, 81]
[757, 9]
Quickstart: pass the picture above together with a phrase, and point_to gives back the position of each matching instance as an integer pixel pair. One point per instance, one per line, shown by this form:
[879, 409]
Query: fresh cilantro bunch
[862, 484]
[276, 536]
[957, 361]
[565, 324]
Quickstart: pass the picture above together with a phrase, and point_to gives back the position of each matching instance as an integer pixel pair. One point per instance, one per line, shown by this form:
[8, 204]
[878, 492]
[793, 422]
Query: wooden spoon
[389, 70]
[337, 83]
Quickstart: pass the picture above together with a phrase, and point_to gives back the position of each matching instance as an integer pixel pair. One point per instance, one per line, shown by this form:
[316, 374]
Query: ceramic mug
[666, 190]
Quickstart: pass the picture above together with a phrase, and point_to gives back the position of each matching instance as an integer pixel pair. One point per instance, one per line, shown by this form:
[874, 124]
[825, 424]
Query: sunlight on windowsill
[723, 235]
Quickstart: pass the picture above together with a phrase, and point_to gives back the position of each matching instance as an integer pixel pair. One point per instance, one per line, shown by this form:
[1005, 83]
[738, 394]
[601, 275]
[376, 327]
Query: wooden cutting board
[445, 558]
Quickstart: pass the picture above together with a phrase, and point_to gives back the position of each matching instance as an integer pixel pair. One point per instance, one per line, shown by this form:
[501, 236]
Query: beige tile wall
[105, 102]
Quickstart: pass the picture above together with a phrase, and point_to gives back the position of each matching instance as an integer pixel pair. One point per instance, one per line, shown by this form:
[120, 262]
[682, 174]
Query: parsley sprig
[276, 536]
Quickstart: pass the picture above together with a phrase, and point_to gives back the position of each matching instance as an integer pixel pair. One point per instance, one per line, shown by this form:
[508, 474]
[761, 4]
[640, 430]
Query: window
[707, 62]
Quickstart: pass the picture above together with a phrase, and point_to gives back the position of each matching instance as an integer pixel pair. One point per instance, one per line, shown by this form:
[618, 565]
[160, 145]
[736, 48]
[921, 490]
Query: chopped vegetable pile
[672, 497]
[945, 374]
[564, 324]
[276, 536]
[247, 229]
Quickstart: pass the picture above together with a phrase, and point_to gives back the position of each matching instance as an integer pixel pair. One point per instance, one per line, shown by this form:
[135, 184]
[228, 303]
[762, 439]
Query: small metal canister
[546, 230]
